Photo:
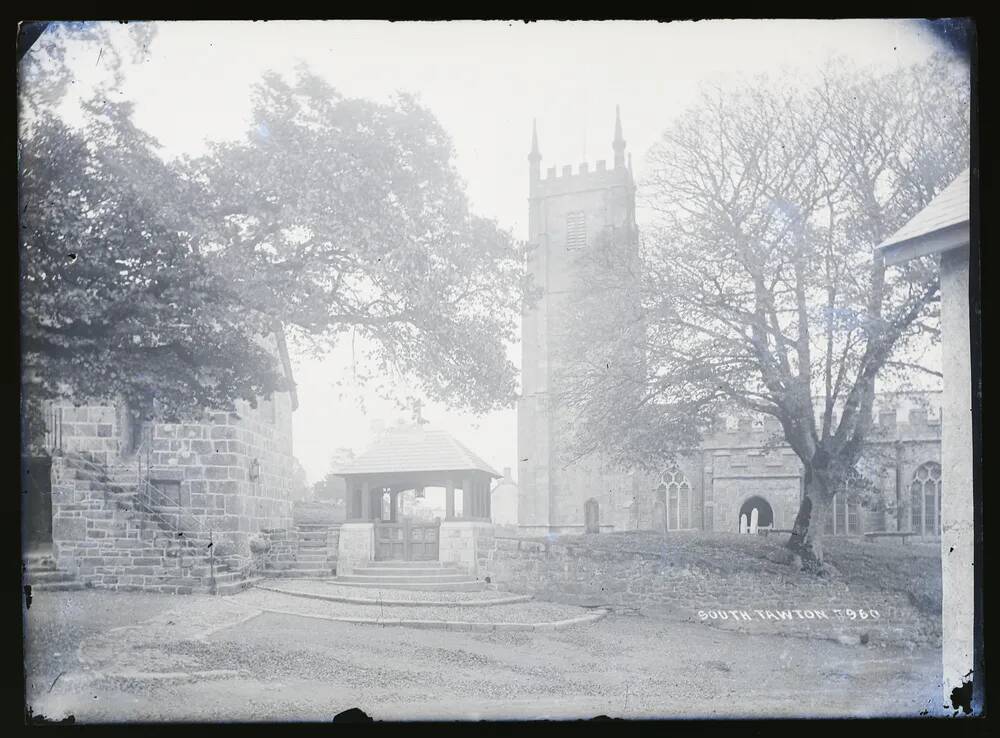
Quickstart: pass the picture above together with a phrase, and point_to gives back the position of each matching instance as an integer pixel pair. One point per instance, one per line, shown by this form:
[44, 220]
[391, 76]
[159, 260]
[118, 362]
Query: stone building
[739, 465]
[137, 507]
[566, 213]
[743, 464]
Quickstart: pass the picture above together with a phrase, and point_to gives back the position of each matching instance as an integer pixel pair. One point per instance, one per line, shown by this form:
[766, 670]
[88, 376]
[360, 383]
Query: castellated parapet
[567, 181]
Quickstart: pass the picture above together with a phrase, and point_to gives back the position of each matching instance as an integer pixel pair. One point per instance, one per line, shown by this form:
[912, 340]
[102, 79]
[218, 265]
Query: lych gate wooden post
[592, 516]
[449, 500]
[366, 501]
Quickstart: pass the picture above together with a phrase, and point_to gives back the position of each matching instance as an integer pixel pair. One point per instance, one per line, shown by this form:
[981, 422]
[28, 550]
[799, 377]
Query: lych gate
[407, 541]
[415, 458]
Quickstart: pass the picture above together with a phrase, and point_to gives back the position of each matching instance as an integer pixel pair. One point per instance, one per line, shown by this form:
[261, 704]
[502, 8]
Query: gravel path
[332, 589]
[292, 668]
[524, 612]
[57, 622]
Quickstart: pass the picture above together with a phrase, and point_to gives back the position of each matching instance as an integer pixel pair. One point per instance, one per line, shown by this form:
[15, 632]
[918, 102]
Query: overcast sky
[485, 82]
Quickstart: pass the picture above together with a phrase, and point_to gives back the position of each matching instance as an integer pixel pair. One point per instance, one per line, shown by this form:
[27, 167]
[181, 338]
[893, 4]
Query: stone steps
[300, 570]
[411, 575]
[231, 588]
[40, 561]
[406, 579]
[41, 574]
[34, 577]
[70, 586]
[306, 556]
[470, 585]
[406, 564]
[408, 572]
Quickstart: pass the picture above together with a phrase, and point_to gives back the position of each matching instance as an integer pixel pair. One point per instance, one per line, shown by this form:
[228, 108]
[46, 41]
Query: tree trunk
[806, 540]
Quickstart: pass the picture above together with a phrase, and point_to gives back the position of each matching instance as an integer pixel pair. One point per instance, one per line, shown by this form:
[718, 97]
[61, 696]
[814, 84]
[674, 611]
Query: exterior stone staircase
[40, 573]
[308, 558]
[429, 576]
[147, 531]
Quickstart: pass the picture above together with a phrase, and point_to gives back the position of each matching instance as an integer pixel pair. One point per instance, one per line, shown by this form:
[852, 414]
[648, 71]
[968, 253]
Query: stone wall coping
[466, 524]
[574, 549]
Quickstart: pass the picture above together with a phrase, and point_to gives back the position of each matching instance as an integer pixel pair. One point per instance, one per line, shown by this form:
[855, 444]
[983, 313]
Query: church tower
[567, 212]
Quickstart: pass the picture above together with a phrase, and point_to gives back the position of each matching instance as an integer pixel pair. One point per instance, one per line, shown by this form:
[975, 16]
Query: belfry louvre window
[576, 230]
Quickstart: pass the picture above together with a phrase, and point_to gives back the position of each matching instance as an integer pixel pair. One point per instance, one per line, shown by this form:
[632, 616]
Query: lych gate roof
[415, 448]
[949, 208]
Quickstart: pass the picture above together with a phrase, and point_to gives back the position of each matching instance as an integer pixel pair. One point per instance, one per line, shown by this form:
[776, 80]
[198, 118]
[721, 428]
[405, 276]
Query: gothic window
[576, 230]
[844, 515]
[925, 500]
[678, 498]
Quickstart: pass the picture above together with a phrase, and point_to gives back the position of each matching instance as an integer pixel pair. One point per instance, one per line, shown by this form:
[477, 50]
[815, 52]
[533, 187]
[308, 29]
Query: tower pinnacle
[619, 143]
[535, 157]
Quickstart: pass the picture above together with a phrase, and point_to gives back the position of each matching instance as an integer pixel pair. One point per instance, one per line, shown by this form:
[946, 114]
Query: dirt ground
[639, 665]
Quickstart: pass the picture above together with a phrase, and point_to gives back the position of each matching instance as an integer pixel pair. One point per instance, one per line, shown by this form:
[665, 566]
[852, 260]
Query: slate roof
[415, 448]
[950, 207]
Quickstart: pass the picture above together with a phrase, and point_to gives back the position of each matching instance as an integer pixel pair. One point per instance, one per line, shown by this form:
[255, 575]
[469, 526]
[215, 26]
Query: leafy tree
[333, 488]
[116, 301]
[757, 285]
[348, 215]
[158, 281]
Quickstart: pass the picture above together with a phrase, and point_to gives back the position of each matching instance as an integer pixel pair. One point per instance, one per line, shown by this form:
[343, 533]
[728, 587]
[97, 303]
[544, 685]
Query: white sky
[484, 81]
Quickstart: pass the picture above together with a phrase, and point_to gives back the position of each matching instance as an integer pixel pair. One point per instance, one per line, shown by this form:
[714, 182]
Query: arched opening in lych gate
[765, 515]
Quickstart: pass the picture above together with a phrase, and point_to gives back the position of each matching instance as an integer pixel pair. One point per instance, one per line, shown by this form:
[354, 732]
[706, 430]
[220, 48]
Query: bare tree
[757, 284]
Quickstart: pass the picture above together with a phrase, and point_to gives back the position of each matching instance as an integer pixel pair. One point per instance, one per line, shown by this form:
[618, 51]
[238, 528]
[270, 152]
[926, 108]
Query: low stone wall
[465, 543]
[691, 590]
[332, 542]
[355, 546]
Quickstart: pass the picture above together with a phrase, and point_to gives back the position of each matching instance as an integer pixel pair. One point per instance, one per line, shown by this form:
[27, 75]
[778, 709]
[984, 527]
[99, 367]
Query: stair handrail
[149, 487]
[145, 485]
[147, 506]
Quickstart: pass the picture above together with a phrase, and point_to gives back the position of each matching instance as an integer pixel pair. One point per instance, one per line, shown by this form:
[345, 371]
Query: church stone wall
[215, 461]
[204, 466]
[734, 464]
